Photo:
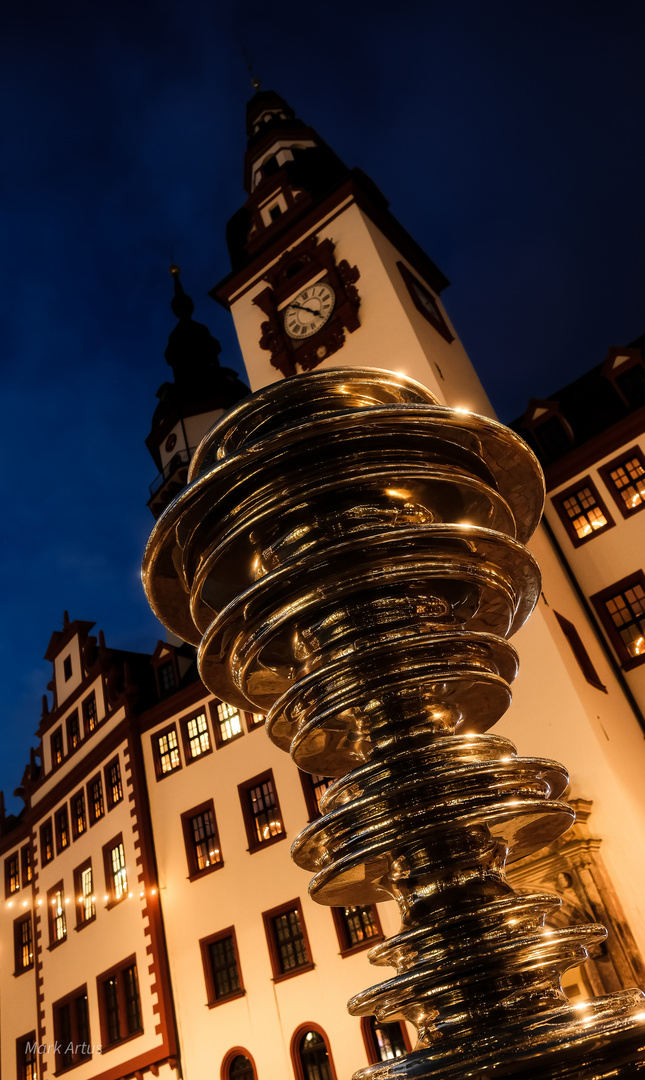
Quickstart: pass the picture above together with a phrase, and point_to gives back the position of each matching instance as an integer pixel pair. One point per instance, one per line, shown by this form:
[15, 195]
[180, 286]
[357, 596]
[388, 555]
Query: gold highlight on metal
[349, 557]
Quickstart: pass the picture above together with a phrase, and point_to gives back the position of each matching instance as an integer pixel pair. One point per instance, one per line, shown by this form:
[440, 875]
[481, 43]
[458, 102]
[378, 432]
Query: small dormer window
[67, 668]
[625, 369]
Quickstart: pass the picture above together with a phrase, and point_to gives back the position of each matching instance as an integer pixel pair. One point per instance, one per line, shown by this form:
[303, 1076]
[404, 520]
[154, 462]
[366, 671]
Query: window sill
[165, 775]
[54, 944]
[223, 1000]
[221, 743]
[86, 922]
[266, 843]
[197, 874]
[361, 946]
[23, 971]
[296, 971]
[106, 1047]
[68, 1068]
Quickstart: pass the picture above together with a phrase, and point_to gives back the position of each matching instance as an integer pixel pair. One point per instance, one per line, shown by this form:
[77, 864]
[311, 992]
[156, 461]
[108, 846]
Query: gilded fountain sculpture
[349, 557]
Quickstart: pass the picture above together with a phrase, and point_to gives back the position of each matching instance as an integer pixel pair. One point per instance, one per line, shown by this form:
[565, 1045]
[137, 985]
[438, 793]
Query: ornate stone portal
[349, 558]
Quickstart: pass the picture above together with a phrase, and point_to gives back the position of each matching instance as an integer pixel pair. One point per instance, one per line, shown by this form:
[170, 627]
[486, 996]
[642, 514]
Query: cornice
[596, 448]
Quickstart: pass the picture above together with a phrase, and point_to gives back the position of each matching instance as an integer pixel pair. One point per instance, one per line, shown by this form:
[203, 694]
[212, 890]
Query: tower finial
[255, 82]
[181, 304]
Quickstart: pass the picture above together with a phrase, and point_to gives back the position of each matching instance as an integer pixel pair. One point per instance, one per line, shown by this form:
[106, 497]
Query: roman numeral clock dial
[309, 311]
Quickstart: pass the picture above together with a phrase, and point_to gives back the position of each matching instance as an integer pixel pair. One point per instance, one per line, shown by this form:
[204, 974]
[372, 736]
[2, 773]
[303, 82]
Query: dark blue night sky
[507, 135]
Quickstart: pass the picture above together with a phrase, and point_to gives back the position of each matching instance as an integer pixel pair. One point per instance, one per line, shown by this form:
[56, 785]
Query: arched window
[238, 1065]
[383, 1042]
[310, 1054]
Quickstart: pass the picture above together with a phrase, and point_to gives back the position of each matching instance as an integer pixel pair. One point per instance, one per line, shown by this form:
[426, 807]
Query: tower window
[621, 608]
[166, 677]
[275, 212]
[582, 511]
[625, 478]
[67, 668]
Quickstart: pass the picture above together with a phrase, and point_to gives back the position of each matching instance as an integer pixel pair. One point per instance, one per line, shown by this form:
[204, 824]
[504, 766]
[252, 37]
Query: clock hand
[300, 307]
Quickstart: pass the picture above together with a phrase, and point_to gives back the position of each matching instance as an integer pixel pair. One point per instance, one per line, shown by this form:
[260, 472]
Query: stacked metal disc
[349, 558]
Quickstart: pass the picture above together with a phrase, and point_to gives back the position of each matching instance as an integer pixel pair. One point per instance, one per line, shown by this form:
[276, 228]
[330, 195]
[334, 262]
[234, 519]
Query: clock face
[309, 311]
[426, 300]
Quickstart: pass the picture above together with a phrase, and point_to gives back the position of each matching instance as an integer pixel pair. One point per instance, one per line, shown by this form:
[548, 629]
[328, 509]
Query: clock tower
[324, 275]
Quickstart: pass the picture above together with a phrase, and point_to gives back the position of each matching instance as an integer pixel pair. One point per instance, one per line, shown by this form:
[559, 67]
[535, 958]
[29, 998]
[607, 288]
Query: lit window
[62, 829]
[23, 942]
[240, 1068]
[11, 876]
[85, 900]
[312, 1057]
[197, 737]
[202, 841]
[383, 1042]
[261, 811]
[95, 799]
[113, 783]
[229, 722]
[27, 861]
[621, 608]
[27, 1057]
[57, 748]
[79, 820]
[314, 787]
[625, 478]
[116, 878]
[57, 918]
[167, 752]
[357, 927]
[582, 511]
[90, 715]
[46, 842]
[73, 731]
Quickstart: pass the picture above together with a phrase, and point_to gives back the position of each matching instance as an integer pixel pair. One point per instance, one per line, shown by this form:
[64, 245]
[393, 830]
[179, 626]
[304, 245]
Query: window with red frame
[79, 817]
[203, 850]
[625, 478]
[56, 745]
[287, 940]
[197, 740]
[73, 731]
[62, 829]
[621, 608]
[582, 511]
[90, 714]
[261, 811]
[221, 967]
[95, 799]
[113, 785]
[23, 944]
[356, 927]
[11, 875]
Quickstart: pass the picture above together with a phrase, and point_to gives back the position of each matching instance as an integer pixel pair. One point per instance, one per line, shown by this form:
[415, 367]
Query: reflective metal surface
[349, 558]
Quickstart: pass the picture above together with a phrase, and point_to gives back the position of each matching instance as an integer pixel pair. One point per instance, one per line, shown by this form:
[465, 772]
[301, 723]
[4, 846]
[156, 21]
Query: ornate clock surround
[308, 263]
